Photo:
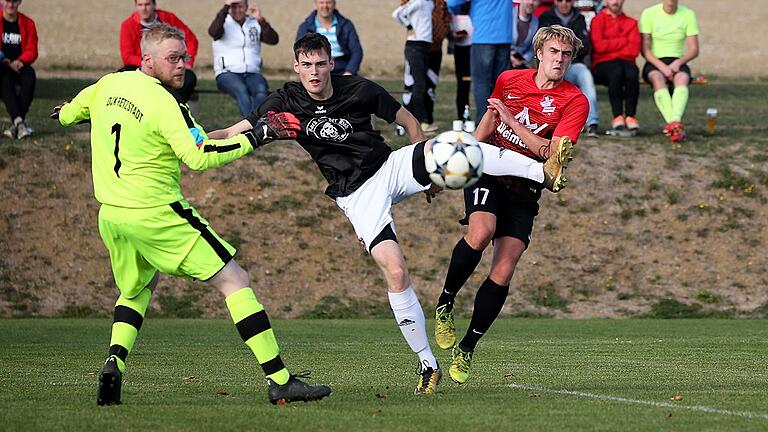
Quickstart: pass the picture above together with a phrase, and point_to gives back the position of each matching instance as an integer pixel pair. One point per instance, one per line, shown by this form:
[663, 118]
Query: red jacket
[614, 38]
[130, 37]
[28, 33]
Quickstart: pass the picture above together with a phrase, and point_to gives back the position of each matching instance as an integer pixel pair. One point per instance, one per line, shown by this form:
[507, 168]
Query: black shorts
[514, 212]
[648, 68]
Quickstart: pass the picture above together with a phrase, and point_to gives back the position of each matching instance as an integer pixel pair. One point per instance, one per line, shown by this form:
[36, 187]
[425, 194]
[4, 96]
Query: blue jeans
[249, 89]
[581, 76]
[487, 62]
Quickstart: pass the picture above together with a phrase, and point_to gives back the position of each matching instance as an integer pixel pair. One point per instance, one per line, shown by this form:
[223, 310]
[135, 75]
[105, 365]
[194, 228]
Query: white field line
[706, 409]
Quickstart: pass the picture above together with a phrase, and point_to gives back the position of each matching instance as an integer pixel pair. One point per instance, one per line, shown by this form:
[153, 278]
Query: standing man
[237, 60]
[524, 25]
[441, 26]
[147, 15]
[365, 177]
[18, 52]
[461, 32]
[491, 42]
[615, 46]
[139, 133]
[346, 50]
[535, 113]
[416, 17]
[670, 39]
[563, 13]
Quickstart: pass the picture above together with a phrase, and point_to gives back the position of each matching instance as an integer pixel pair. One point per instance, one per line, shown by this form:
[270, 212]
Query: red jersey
[614, 38]
[559, 111]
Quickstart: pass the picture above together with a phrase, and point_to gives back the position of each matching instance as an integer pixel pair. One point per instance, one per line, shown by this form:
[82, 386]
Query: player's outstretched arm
[237, 128]
[272, 126]
[210, 153]
[77, 110]
[412, 127]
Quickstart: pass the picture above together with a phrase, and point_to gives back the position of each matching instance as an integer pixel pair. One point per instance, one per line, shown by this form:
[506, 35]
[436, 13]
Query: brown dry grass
[641, 222]
[78, 35]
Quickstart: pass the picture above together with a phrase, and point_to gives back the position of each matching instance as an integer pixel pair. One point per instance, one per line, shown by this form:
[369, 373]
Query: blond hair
[557, 32]
[156, 34]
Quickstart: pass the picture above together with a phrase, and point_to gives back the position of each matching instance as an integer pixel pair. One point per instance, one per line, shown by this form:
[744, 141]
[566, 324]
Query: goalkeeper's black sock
[488, 303]
[252, 323]
[128, 318]
[464, 260]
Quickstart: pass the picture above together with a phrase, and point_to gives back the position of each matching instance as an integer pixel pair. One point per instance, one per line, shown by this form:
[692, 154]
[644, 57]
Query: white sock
[511, 163]
[410, 317]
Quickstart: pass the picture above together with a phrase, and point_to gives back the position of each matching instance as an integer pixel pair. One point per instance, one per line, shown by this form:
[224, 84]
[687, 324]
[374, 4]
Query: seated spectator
[346, 50]
[615, 46]
[131, 29]
[524, 26]
[670, 39]
[544, 5]
[564, 14]
[237, 59]
[416, 17]
[461, 45]
[18, 52]
[588, 8]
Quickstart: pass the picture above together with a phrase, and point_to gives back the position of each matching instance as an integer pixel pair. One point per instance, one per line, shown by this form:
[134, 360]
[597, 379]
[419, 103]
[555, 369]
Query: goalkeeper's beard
[177, 81]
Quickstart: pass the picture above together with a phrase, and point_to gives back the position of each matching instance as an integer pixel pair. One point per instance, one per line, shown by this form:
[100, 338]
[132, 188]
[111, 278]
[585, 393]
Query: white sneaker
[22, 131]
[427, 127]
[10, 132]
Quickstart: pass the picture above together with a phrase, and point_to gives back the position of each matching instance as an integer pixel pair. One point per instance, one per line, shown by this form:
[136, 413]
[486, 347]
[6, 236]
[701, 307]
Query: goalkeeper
[139, 133]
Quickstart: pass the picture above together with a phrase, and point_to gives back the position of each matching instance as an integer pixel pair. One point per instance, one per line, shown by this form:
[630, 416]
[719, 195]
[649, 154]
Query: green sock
[128, 317]
[253, 325]
[664, 104]
[679, 102]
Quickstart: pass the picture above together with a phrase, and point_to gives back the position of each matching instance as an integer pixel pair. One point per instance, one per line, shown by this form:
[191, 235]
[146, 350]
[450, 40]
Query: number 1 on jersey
[116, 130]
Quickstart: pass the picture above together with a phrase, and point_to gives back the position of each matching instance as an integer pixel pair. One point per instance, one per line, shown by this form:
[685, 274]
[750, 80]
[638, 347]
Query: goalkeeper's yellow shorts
[173, 239]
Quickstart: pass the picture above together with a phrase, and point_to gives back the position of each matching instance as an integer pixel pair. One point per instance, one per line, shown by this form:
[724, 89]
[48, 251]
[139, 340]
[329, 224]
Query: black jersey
[337, 132]
[11, 44]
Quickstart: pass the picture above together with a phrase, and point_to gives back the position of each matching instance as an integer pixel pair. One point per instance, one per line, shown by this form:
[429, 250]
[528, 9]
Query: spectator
[564, 14]
[461, 43]
[544, 5]
[416, 17]
[347, 52]
[670, 39]
[588, 8]
[524, 26]
[615, 45]
[491, 42]
[18, 52]
[441, 26]
[237, 59]
[145, 16]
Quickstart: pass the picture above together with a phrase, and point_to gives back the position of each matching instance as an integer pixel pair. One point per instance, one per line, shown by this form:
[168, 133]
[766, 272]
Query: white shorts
[369, 208]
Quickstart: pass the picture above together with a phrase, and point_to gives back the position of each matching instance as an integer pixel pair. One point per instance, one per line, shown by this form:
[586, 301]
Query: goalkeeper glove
[57, 110]
[275, 126]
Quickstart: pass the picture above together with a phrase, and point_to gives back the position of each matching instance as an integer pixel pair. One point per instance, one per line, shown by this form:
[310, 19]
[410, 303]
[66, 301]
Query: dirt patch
[642, 223]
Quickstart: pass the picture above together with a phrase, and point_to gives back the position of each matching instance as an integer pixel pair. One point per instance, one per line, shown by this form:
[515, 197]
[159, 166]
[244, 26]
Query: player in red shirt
[533, 112]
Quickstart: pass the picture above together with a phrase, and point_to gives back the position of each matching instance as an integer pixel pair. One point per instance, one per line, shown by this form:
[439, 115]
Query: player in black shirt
[365, 177]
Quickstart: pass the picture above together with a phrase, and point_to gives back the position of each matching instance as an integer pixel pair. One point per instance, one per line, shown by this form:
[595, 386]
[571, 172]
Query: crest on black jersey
[329, 129]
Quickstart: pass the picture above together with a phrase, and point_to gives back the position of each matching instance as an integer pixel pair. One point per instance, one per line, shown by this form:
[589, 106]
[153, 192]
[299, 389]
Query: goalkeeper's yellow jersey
[139, 134]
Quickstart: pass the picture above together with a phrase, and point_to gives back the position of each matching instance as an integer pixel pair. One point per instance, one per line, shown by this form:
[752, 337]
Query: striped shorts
[173, 239]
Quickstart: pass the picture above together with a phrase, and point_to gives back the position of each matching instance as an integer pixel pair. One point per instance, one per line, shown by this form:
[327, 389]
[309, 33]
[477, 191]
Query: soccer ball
[455, 160]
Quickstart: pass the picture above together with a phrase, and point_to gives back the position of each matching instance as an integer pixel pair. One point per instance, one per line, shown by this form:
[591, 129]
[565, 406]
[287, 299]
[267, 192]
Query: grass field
[528, 375]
